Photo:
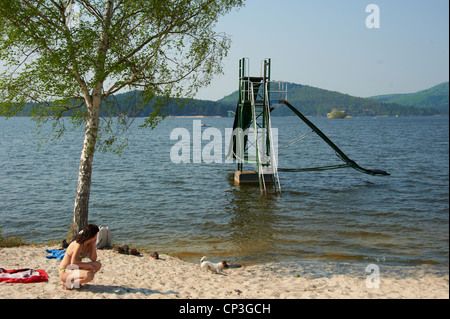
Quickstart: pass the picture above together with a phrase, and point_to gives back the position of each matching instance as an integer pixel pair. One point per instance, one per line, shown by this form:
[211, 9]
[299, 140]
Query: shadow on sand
[120, 290]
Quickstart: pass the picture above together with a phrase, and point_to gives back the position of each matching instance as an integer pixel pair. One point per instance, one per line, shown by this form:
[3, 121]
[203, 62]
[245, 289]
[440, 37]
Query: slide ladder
[263, 138]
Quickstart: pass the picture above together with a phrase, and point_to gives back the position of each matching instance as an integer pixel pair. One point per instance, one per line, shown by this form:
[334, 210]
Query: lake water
[194, 209]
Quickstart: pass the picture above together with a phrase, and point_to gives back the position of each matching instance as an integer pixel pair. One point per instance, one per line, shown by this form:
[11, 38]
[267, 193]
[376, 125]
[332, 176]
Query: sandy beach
[142, 277]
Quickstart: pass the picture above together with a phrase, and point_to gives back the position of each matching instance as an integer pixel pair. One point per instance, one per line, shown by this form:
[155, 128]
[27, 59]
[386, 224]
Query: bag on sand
[104, 237]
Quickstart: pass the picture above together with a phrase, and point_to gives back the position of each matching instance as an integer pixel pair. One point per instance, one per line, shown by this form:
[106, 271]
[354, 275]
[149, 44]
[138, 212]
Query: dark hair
[88, 232]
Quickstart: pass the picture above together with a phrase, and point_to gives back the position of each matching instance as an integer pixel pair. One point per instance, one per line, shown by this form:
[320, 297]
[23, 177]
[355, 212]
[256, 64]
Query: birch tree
[71, 57]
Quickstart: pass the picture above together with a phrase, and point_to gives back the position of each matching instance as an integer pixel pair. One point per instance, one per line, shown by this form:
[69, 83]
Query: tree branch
[93, 10]
[42, 16]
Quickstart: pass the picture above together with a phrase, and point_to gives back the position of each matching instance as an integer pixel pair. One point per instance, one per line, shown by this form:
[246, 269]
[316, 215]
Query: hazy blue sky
[326, 44]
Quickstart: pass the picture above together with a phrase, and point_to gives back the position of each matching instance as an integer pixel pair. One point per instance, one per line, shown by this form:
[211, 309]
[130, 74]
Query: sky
[327, 44]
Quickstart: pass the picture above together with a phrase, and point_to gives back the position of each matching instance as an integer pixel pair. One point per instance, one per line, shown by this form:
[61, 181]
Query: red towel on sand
[22, 275]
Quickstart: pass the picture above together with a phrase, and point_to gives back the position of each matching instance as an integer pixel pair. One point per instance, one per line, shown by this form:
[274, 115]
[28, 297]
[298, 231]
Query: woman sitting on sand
[72, 271]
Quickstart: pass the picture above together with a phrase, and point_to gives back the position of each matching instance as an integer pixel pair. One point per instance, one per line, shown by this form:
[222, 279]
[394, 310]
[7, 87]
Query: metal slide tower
[253, 140]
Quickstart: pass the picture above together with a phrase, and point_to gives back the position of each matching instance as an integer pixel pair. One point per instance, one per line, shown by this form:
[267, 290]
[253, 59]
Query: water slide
[341, 155]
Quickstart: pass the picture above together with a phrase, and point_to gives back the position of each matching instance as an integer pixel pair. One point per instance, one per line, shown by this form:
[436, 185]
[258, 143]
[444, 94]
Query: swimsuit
[64, 269]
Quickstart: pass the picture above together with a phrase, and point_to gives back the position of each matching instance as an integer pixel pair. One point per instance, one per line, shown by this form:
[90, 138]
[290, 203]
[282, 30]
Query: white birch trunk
[81, 208]
[93, 103]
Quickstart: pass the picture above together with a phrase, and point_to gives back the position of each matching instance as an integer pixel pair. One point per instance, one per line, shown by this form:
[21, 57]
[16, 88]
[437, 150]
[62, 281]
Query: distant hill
[319, 102]
[178, 107]
[309, 100]
[435, 98]
[125, 103]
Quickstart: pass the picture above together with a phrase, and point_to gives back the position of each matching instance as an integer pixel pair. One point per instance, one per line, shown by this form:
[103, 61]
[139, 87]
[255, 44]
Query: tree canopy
[70, 55]
[55, 53]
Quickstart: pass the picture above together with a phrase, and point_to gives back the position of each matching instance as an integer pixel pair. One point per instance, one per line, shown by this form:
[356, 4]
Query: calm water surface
[191, 210]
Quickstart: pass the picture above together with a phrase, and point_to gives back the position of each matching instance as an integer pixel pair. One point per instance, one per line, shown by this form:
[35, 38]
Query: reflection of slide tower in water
[252, 141]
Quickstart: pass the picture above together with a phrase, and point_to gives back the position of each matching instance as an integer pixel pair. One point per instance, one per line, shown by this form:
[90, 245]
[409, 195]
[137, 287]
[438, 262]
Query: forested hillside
[435, 98]
[318, 102]
[311, 101]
